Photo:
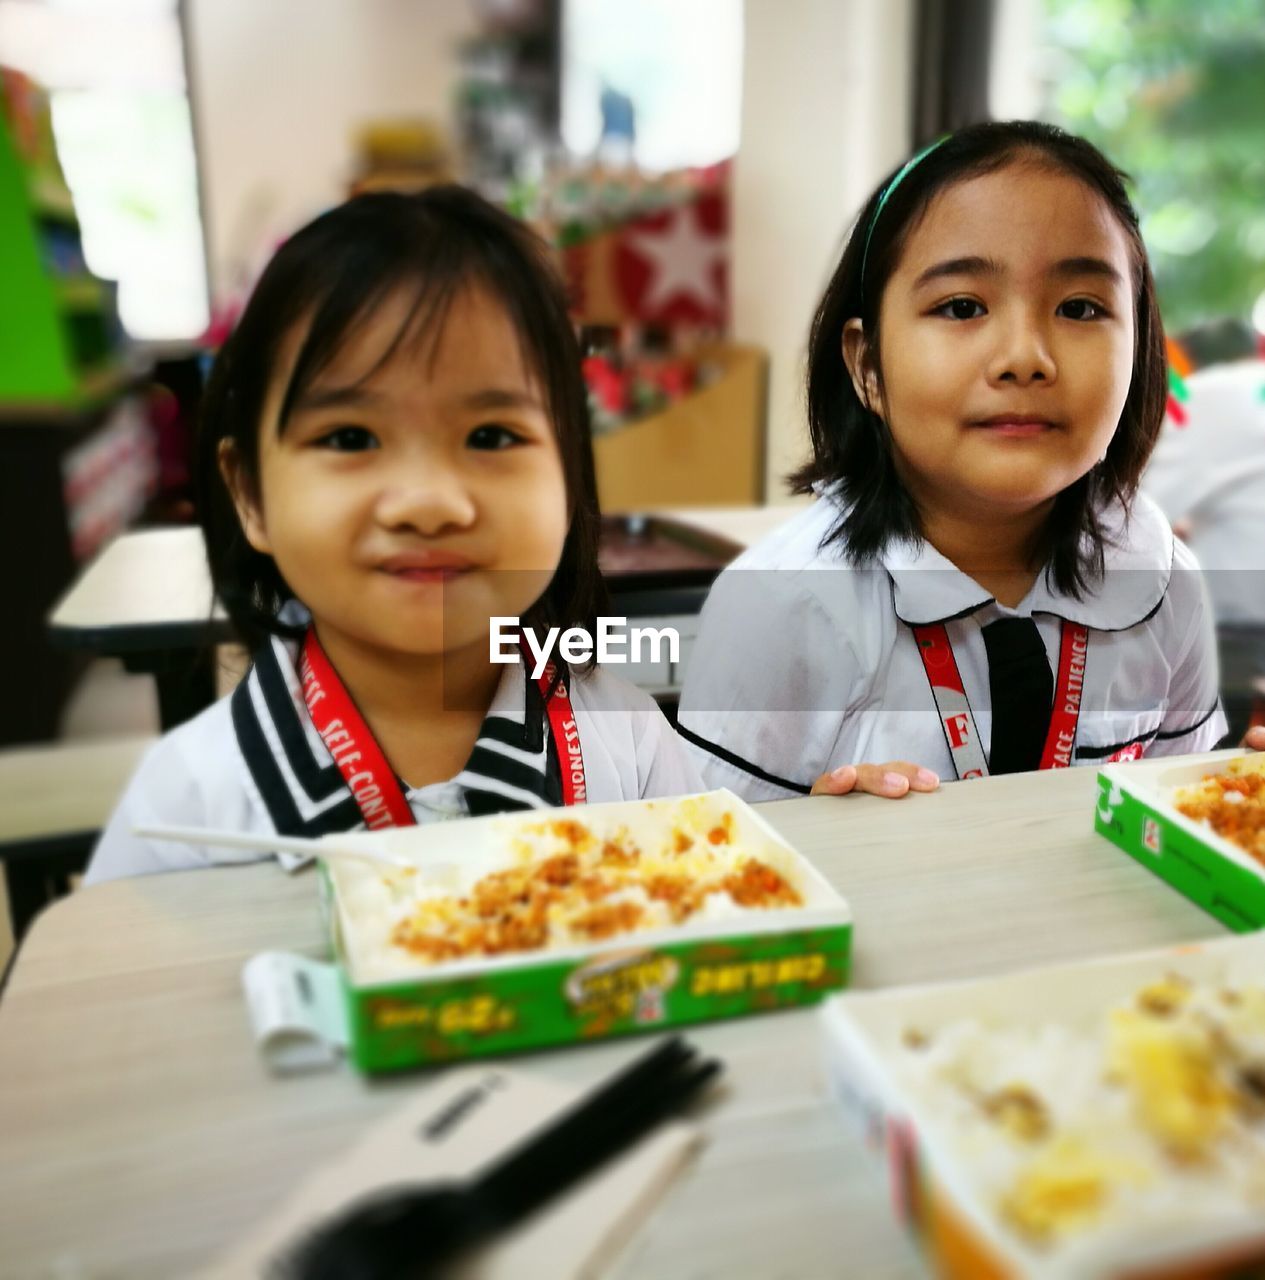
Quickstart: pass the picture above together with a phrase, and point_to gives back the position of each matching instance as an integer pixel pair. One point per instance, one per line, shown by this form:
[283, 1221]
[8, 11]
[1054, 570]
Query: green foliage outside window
[1173, 91]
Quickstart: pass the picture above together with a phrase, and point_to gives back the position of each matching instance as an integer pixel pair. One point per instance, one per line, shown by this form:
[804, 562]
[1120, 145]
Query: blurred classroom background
[696, 166]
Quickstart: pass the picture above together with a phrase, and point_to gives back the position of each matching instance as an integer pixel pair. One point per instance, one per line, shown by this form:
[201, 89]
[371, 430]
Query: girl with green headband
[978, 588]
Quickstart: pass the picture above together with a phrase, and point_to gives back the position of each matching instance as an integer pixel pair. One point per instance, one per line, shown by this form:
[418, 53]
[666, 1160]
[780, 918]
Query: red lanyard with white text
[957, 721]
[566, 735]
[365, 769]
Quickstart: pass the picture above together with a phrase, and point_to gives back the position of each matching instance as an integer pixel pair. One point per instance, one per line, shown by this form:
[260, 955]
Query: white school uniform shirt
[254, 762]
[1210, 472]
[804, 662]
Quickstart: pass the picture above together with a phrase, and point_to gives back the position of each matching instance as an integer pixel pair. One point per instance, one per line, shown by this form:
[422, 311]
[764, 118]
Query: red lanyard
[566, 736]
[958, 722]
[365, 770]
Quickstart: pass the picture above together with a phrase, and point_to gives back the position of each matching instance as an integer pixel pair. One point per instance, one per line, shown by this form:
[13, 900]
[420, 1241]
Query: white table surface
[150, 577]
[141, 1133]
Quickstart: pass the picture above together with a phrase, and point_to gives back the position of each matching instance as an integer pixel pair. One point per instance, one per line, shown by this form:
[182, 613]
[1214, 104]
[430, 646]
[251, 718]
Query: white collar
[927, 587]
[1138, 560]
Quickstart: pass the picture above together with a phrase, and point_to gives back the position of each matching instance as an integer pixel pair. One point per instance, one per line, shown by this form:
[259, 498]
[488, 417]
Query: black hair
[326, 278]
[852, 451]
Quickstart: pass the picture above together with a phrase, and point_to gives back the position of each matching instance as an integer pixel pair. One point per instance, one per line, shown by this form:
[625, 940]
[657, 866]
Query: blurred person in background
[1208, 475]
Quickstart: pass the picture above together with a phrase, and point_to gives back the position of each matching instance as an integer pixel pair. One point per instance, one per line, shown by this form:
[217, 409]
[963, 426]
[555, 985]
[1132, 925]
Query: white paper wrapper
[450, 1129]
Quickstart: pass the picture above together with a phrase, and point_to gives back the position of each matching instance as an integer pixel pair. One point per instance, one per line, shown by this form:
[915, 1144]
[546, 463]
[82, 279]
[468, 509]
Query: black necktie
[1021, 686]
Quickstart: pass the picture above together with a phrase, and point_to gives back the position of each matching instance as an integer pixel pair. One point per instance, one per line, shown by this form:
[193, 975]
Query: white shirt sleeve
[769, 682]
[664, 767]
[185, 779]
[630, 751]
[1193, 718]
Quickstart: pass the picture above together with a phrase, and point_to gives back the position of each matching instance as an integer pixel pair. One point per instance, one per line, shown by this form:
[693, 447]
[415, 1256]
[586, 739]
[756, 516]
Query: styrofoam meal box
[405, 1013]
[1136, 811]
[933, 1192]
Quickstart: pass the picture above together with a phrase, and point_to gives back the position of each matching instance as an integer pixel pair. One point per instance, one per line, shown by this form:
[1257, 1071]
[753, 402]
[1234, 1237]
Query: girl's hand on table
[1254, 741]
[892, 780]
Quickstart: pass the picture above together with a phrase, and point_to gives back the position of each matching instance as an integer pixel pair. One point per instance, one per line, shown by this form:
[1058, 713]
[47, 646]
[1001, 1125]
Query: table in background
[147, 599]
[47, 825]
[142, 1132]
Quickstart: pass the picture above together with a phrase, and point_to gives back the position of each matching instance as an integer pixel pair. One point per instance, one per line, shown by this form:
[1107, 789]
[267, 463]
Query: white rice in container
[375, 901]
[1097, 1122]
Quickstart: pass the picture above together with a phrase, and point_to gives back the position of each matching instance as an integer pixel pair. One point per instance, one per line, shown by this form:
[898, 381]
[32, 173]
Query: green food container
[401, 1013]
[1137, 811]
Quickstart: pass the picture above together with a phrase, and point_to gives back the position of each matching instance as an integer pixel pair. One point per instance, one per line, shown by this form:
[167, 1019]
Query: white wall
[279, 87]
[1015, 87]
[825, 113]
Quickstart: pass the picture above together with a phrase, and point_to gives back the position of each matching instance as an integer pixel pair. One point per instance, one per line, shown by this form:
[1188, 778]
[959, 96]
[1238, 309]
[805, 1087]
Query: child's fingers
[838, 782]
[882, 780]
[920, 778]
[895, 778]
[892, 780]
[1255, 740]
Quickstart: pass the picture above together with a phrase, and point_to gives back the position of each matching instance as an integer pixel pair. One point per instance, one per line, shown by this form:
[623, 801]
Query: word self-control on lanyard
[958, 722]
[369, 777]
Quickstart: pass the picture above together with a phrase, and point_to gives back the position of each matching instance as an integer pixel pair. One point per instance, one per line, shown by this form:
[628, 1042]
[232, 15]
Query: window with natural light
[642, 66]
[116, 74]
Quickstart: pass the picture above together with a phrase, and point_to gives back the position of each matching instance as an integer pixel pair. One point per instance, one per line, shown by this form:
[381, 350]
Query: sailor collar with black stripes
[513, 766]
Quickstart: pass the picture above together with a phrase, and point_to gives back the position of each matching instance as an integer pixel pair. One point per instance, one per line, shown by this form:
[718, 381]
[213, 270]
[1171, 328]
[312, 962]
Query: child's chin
[1021, 484]
[414, 645]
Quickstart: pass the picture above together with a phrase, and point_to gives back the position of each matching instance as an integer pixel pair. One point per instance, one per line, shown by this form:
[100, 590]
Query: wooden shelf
[52, 199]
[96, 388]
[80, 293]
[104, 382]
[705, 450]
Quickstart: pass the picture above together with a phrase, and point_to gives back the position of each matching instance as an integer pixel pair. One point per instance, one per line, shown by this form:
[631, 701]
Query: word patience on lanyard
[365, 769]
[958, 722]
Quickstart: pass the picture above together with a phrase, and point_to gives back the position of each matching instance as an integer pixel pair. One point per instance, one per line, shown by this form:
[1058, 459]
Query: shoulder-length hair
[852, 450]
[325, 280]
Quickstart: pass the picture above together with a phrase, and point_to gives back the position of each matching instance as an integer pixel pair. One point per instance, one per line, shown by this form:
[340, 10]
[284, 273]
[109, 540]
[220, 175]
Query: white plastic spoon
[262, 842]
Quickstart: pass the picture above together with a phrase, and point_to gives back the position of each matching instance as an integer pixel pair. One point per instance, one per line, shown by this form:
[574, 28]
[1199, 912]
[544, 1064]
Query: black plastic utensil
[413, 1230]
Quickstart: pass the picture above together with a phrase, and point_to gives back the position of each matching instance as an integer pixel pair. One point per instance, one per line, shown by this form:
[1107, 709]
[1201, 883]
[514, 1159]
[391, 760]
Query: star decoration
[682, 258]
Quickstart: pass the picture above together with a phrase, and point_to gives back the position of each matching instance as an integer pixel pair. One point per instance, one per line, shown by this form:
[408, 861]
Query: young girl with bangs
[978, 587]
[394, 453]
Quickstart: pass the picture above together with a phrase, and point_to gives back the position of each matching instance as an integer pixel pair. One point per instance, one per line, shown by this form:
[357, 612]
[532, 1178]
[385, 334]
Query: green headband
[886, 195]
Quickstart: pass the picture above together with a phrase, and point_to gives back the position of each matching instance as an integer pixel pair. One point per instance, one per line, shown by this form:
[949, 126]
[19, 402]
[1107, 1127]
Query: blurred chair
[54, 800]
[1241, 650]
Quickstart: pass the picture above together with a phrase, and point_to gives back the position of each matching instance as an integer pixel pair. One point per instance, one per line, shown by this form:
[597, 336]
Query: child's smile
[1016, 426]
[1006, 341]
[427, 566]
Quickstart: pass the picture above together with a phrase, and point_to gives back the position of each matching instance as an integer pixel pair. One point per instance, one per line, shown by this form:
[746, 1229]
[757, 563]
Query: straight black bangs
[435, 272]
